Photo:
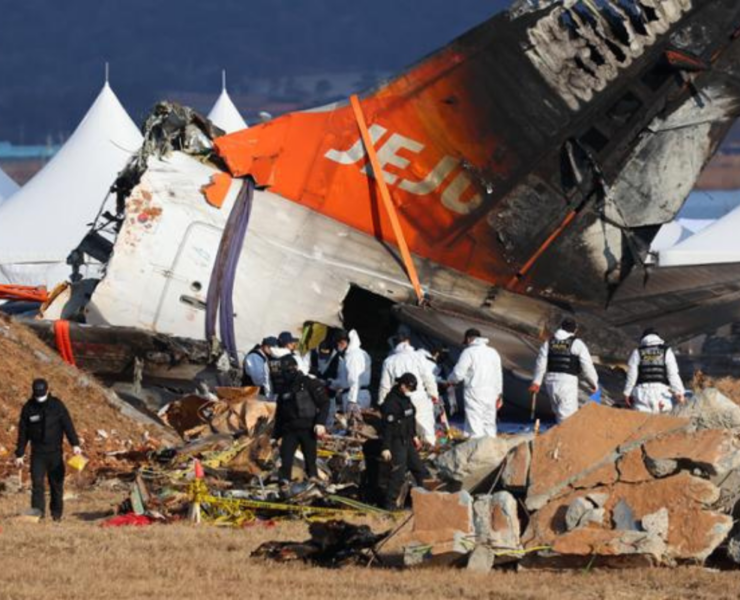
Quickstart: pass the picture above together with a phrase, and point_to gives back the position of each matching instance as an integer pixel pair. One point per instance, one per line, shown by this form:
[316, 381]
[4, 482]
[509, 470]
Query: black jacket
[305, 405]
[398, 420]
[45, 424]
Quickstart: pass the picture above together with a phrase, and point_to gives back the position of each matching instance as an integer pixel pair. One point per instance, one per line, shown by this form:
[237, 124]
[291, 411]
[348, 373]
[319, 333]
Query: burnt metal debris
[332, 544]
[227, 467]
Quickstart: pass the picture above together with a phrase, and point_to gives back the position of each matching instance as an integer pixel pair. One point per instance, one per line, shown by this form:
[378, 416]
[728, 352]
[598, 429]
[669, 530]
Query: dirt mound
[97, 417]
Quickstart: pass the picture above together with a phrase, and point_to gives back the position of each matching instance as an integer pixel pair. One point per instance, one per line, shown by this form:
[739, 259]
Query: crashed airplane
[530, 164]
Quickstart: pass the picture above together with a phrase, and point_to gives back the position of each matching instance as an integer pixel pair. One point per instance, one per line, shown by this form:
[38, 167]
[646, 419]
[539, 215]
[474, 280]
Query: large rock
[576, 511]
[434, 511]
[710, 410]
[714, 451]
[482, 521]
[588, 445]
[515, 475]
[694, 531]
[469, 464]
[453, 552]
[506, 529]
[603, 543]
[481, 559]
[729, 501]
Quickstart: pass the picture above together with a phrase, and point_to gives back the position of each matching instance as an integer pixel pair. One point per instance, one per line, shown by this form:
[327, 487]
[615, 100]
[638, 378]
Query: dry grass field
[77, 559]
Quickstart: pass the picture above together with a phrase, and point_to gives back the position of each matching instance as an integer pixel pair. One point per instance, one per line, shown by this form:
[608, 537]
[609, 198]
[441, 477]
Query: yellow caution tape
[237, 511]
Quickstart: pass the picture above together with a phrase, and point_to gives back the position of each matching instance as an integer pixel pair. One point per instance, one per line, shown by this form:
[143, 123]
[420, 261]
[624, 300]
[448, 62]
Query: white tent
[8, 187]
[47, 218]
[717, 243]
[701, 209]
[224, 113]
[677, 232]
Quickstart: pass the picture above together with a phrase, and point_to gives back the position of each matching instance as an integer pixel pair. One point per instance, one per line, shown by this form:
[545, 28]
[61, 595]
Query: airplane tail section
[533, 152]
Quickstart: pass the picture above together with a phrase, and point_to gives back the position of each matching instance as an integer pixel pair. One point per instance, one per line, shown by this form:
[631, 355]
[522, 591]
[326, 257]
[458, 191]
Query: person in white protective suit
[432, 359]
[405, 359]
[560, 363]
[353, 375]
[653, 380]
[479, 370]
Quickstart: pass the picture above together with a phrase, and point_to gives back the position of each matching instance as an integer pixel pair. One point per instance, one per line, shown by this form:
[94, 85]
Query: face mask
[42, 398]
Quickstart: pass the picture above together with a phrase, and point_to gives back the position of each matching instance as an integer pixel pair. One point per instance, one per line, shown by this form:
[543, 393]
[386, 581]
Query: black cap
[341, 336]
[40, 388]
[270, 341]
[399, 338]
[649, 331]
[472, 334]
[286, 338]
[569, 325]
[409, 380]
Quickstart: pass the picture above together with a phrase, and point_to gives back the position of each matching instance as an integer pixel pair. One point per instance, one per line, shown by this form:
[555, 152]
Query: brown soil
[24, 357]
[79, 559]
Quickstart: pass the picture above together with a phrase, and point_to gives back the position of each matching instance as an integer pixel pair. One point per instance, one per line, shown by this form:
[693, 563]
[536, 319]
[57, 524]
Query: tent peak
[224, 113]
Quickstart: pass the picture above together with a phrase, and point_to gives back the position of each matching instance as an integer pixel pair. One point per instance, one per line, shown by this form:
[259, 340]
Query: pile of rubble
[108, 427]
[224, 471]
[608, 487]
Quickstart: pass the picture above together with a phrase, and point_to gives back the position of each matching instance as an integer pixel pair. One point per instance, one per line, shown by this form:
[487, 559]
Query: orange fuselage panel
[432, 153]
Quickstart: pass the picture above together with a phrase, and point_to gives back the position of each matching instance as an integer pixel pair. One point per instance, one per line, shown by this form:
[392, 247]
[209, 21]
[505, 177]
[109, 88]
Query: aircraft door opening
[181, 309]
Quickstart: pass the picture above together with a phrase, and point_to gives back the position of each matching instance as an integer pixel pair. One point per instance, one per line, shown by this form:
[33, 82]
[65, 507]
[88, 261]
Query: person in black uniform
[399, 442]
[325, 361]
[302, 411]
[44, 422]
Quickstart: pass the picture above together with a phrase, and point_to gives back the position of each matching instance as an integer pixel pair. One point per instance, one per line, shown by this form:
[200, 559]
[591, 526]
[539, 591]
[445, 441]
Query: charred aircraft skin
[112, 352]
[536, 153]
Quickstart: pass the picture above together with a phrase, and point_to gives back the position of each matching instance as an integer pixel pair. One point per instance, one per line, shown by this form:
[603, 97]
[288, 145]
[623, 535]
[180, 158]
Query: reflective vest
[277, 368]
[560, 358]
[653, 367]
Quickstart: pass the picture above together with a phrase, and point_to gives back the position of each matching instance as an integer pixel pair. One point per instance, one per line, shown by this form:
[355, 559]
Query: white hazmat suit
[444, 390]
[653, 397]
[562, 388]
[353, 375]
[407, 360]
[479, 370]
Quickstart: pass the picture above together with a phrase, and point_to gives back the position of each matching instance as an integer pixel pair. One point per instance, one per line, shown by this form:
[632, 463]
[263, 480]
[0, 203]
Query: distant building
[23, 162]
[10, 152]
